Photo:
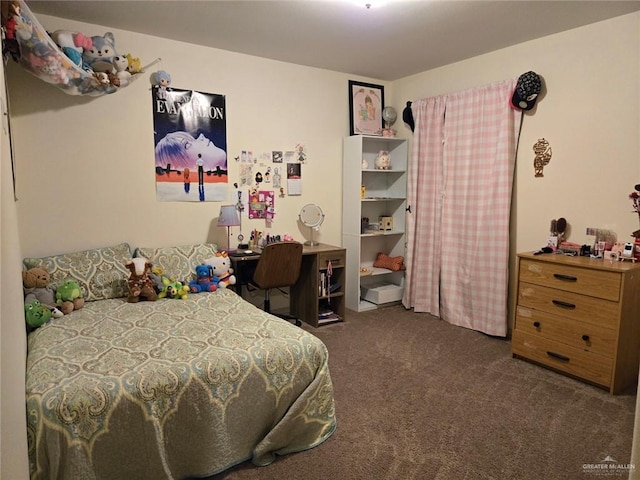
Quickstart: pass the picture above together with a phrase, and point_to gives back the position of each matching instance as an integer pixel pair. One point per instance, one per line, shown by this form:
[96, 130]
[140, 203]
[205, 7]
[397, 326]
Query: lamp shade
[228, 216]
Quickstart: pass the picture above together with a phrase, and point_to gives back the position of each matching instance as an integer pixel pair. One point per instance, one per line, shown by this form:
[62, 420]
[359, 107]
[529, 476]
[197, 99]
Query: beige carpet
[417, 398]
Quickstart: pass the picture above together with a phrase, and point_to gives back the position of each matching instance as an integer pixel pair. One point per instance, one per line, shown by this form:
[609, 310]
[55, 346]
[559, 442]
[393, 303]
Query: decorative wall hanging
[526, 92]
[72, 61]
[262, 205]
[542, 149]
[366, 102]
[635, 198]
[190, 139]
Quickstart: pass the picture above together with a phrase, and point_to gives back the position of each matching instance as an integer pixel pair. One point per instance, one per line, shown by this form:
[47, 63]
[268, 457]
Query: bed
[171, 388]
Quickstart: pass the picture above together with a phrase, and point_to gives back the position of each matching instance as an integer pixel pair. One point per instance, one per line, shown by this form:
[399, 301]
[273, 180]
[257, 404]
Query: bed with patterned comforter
[172, 389]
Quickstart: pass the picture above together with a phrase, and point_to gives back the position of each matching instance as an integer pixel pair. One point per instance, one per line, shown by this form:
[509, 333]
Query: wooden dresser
[579, 316]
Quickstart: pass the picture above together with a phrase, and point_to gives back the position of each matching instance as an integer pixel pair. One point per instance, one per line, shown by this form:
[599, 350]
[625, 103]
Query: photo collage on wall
[269, 175]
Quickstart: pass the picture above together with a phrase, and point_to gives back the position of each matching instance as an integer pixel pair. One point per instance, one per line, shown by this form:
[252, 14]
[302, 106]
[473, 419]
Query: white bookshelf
[385, 195]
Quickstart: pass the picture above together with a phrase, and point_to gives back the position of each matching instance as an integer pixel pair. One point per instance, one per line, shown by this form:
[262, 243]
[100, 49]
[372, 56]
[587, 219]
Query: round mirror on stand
[311, 216]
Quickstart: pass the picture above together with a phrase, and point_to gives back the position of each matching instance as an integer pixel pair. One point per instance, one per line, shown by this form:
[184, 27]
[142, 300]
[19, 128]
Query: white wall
[13, 351]
[85, 165]
[590, 115]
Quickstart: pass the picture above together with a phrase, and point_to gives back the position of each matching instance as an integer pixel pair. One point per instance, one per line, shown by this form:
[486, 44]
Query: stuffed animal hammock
[69, 60]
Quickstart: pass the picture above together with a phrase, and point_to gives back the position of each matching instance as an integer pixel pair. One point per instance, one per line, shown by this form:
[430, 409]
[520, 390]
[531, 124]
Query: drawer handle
[585, 338]
[557, 356]
[566, 278]
[536, 324]
[560, 303]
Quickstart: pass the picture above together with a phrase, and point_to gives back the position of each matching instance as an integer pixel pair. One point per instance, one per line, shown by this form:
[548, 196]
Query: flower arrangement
[635, 198]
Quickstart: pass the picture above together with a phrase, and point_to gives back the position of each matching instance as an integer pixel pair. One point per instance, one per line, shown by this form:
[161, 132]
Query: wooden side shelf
[309, 298]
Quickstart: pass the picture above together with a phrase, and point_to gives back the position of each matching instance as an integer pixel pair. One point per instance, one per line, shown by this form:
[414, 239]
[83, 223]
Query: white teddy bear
[221, 265]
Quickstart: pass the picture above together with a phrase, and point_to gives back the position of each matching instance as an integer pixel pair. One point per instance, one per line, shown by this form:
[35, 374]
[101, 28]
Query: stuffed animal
[36, 314]
[101, 77]
[73, 44]
[156, 274]
[173, 289]
[46, 65]
[69, 296]
[35, 283]
[99, 57]
[205, 281]
[139, 282]
[120, 63]
[383, 160]
[10, 44]
[162, 80]
[221, 265]
[114, 80]
[134, 64]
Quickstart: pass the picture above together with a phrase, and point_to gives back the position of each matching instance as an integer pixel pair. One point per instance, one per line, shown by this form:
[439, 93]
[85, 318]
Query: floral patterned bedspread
[172, 389]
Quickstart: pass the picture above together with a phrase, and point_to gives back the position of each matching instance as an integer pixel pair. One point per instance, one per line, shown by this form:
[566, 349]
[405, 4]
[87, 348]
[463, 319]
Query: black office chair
[278, 267]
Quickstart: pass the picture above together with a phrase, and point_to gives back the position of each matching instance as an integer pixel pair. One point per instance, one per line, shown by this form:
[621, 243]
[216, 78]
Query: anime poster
[190, 139]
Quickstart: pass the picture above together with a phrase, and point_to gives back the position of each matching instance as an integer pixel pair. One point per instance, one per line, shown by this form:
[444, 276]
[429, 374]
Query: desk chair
[279, 266]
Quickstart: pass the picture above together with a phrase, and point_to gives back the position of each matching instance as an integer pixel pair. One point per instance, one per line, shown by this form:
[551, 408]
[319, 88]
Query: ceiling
[386, 42]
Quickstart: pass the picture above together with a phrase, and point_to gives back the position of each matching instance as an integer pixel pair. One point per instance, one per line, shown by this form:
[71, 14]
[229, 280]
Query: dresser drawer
[592, 282]
[337, 259]
[583, 308]
[581, 335]
[587, 365]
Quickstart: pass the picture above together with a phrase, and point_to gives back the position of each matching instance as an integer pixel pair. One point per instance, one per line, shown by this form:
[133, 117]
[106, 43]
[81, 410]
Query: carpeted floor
[417, 398]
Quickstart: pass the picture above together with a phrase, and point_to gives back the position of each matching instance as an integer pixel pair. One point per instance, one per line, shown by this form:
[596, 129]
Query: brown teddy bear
[35, 282]
[141, 286]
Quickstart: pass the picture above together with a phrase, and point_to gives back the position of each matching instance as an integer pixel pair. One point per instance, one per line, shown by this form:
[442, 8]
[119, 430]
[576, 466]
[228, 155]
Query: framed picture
[366, 102]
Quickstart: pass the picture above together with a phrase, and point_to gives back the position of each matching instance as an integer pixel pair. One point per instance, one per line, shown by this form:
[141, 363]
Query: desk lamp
[228, 218]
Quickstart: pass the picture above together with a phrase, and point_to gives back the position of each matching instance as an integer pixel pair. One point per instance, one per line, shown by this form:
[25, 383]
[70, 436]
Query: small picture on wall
[276, 156]
[301, 153]
[294, 178]
[366, 102]
[246, 174]
[277, 177]
[289, 156]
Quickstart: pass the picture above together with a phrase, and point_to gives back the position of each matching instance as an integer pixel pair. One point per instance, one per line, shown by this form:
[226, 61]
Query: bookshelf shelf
[313, 300]
[385, 195]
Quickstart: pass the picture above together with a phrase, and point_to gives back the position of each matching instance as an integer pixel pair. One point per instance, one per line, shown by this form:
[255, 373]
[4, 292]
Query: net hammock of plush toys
[75, 63]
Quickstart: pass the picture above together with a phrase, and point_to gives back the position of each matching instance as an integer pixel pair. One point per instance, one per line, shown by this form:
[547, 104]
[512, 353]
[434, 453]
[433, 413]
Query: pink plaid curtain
[460, 182]
[424, 195]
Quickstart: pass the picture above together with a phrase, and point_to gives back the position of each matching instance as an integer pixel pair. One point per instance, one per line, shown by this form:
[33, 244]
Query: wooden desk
[306, 298]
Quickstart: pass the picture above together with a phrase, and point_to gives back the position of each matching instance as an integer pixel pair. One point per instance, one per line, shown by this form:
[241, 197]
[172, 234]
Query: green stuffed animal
[36, 313]
[173, 289]
[69, 297]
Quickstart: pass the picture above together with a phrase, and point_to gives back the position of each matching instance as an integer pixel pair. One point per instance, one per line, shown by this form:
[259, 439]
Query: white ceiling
[394, 40]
